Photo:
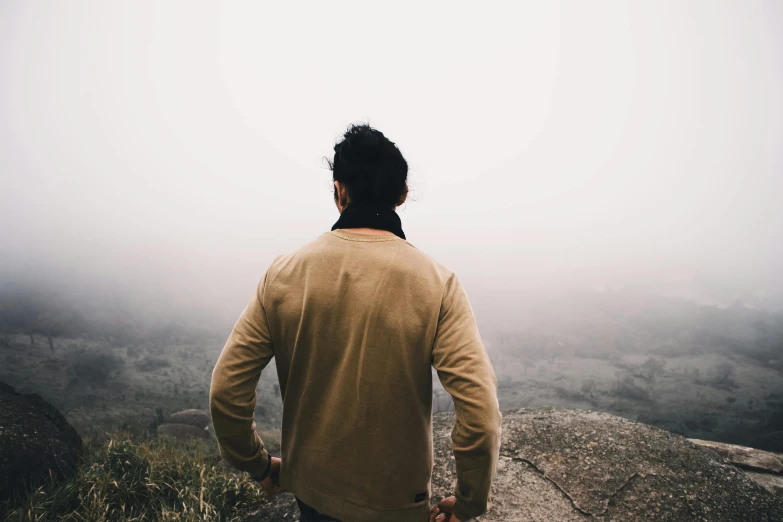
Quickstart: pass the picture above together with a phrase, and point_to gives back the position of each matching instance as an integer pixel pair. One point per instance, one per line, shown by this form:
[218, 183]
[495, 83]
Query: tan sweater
[355, 323]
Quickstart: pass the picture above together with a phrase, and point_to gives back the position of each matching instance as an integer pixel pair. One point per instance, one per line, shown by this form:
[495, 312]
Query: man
[356, 319]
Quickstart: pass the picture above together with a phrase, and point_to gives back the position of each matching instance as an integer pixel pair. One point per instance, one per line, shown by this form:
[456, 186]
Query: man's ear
[404, 196]
[341, 194]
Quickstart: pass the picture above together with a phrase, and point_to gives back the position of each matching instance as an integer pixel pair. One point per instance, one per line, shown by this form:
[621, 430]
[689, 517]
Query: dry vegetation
[138, 479]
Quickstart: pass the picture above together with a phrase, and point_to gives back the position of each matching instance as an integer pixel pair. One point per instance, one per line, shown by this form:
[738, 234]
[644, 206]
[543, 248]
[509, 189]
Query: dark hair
[370, 166]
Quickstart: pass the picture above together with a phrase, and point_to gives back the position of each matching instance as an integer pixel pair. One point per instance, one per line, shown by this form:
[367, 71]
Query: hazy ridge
[702, 371]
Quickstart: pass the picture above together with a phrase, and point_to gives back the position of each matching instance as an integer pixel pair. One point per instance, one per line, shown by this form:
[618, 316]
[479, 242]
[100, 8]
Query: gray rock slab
[744, 457]
[183, 431]
[197, 418]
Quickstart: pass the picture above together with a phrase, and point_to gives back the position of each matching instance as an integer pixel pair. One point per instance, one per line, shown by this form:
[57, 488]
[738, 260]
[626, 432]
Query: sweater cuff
[463, 511]
[262, 465]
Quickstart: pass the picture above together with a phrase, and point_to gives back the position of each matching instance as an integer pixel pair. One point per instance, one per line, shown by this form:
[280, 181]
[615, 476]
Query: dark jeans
[311, 515]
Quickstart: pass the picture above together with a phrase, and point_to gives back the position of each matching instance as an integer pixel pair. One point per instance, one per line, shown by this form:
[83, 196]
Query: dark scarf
[370, 215]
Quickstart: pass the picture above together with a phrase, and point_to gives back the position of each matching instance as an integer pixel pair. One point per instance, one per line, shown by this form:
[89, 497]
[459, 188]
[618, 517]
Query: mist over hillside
[110, 358]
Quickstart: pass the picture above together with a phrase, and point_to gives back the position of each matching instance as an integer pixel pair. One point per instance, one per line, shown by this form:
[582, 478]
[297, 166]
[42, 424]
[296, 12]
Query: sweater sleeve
[465, 370]
[232, 393]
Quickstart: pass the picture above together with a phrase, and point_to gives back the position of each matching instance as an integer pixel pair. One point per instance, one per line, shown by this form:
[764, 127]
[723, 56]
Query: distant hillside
[701, 371]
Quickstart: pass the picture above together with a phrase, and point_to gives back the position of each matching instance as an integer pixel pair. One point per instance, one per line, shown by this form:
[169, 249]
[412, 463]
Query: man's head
[368, 168]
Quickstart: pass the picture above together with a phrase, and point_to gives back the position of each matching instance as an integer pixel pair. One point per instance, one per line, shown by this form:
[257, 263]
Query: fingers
[447, 503]
[442, 513]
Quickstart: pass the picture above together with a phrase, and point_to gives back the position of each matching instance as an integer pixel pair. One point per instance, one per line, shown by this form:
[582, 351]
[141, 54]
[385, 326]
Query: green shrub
[139, 480]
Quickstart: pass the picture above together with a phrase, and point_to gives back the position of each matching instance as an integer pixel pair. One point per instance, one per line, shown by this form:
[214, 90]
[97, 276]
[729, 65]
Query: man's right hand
[271, 483]
[442, 513]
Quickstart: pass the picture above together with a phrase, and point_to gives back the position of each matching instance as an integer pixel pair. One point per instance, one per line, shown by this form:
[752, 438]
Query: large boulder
[35, 442]
[573, 465]
[599, 466]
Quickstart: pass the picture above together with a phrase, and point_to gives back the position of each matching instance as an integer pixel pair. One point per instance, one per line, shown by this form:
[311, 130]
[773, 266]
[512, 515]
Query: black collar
[370, 215]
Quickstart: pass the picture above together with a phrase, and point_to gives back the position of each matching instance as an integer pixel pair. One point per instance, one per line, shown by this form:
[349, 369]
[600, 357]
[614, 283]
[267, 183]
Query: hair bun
[364, 145]
[370, 165]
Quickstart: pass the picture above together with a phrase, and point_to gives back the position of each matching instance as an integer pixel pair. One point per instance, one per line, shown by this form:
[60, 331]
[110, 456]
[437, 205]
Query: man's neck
[376, 231]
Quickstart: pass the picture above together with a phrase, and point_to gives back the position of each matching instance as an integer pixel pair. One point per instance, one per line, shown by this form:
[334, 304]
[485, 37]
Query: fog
[173, 149]
[604, 177]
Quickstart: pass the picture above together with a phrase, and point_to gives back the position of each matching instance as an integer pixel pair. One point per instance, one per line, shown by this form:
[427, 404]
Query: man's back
[356, 317]
[355, 322]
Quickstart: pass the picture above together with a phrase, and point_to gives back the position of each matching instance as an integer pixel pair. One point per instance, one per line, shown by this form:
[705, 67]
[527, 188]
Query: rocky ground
[574, 465]
[555, 464]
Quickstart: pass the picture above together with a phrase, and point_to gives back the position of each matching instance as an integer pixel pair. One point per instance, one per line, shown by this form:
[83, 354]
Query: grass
[137, 479]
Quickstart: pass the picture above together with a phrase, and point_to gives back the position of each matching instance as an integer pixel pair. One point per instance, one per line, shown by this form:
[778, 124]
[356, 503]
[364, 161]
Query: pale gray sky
[179, 144]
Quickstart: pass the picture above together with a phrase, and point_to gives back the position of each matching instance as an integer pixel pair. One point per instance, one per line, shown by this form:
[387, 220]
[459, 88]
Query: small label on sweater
[420, 496]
